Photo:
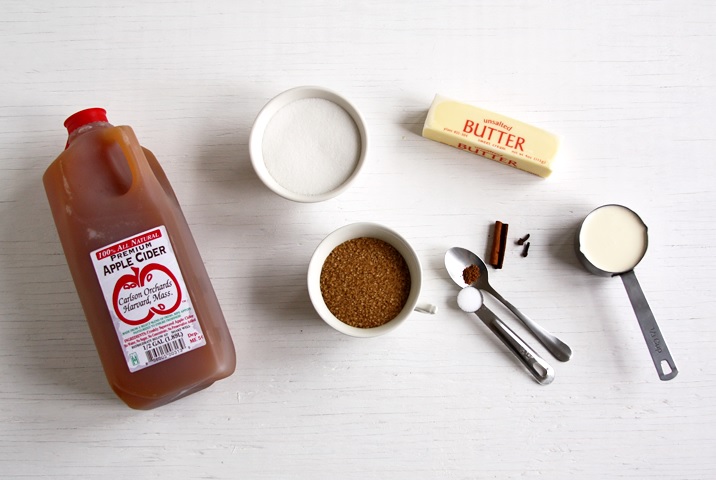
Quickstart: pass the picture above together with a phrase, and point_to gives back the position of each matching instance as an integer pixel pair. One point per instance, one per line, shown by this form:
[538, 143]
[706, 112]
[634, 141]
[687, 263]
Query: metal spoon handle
[654, 340]
[554, 345]
[540, 370]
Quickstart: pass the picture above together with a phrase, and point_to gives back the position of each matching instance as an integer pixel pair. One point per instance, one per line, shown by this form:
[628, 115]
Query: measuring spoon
[458, 259]
[470, 300]
[611, 241]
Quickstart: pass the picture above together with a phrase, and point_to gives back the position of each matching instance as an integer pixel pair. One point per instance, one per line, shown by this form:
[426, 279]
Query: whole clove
[525, 249]
[522, 240]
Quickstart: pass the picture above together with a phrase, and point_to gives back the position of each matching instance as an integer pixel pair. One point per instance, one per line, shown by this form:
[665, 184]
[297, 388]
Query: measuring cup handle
[542, 372]
[654, 340]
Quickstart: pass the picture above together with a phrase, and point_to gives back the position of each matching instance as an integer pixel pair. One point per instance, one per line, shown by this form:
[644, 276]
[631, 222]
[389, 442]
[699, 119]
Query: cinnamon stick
[499, 241]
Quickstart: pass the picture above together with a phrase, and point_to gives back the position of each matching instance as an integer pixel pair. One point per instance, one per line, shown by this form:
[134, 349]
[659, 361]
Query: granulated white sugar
[311, 146]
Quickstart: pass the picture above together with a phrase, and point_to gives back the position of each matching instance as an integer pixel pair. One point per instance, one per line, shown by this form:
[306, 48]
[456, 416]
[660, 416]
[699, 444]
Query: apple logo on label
[139, 296]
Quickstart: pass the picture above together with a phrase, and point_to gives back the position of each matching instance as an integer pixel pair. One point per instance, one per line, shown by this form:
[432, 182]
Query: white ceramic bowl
[372, 230]
[264, 118]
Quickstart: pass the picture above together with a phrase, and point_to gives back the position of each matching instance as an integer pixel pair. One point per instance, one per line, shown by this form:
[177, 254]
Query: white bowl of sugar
[308, 144]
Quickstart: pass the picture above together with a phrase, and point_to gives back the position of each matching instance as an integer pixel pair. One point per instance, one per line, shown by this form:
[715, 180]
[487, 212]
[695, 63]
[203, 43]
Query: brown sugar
[365, 282]
[471, 274]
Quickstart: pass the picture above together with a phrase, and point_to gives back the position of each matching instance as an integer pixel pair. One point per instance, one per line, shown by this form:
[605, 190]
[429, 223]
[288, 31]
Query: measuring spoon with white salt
[470, 300]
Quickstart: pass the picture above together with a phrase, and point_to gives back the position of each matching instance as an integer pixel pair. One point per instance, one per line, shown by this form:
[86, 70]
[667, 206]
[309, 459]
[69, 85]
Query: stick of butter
[491, 135]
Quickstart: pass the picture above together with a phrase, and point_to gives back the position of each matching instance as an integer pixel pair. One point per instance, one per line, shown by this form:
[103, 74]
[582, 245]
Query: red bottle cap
[84, 117]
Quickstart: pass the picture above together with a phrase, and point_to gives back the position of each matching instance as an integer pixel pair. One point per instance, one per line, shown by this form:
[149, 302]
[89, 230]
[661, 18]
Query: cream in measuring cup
[613, 238]
[611, 241]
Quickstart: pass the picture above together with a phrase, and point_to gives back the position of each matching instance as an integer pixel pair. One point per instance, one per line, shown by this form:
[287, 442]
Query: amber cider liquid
[105, 188]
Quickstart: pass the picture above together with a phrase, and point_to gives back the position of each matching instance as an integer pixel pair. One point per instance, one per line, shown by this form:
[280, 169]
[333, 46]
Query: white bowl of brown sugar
[364, 280]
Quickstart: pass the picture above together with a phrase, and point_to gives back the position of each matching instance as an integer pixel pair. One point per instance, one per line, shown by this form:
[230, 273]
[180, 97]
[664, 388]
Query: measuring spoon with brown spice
[458, 259]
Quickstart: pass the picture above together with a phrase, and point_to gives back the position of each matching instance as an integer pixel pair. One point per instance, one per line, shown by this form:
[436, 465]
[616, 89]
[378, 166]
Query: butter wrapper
[491, 135]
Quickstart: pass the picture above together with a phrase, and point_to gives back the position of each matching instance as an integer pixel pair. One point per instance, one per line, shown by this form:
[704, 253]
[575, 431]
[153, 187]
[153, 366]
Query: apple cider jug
[152, 311]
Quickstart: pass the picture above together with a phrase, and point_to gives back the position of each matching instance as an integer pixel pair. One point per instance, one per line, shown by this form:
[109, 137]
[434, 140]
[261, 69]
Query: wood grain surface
[630, 87]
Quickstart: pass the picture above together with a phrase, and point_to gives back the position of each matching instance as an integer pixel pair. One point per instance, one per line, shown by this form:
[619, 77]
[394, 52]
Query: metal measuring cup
[611, 241]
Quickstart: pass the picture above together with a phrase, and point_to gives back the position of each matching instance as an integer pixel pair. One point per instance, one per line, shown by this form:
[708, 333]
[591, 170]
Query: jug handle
[133, 153]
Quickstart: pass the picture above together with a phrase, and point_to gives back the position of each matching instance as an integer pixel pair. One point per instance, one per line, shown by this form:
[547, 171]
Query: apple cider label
[147, 298]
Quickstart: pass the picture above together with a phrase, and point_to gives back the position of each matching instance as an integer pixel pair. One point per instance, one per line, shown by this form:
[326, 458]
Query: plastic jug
[149, 303]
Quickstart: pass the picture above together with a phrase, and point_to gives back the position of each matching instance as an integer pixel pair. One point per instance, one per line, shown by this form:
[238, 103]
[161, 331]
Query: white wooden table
[629, 86]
